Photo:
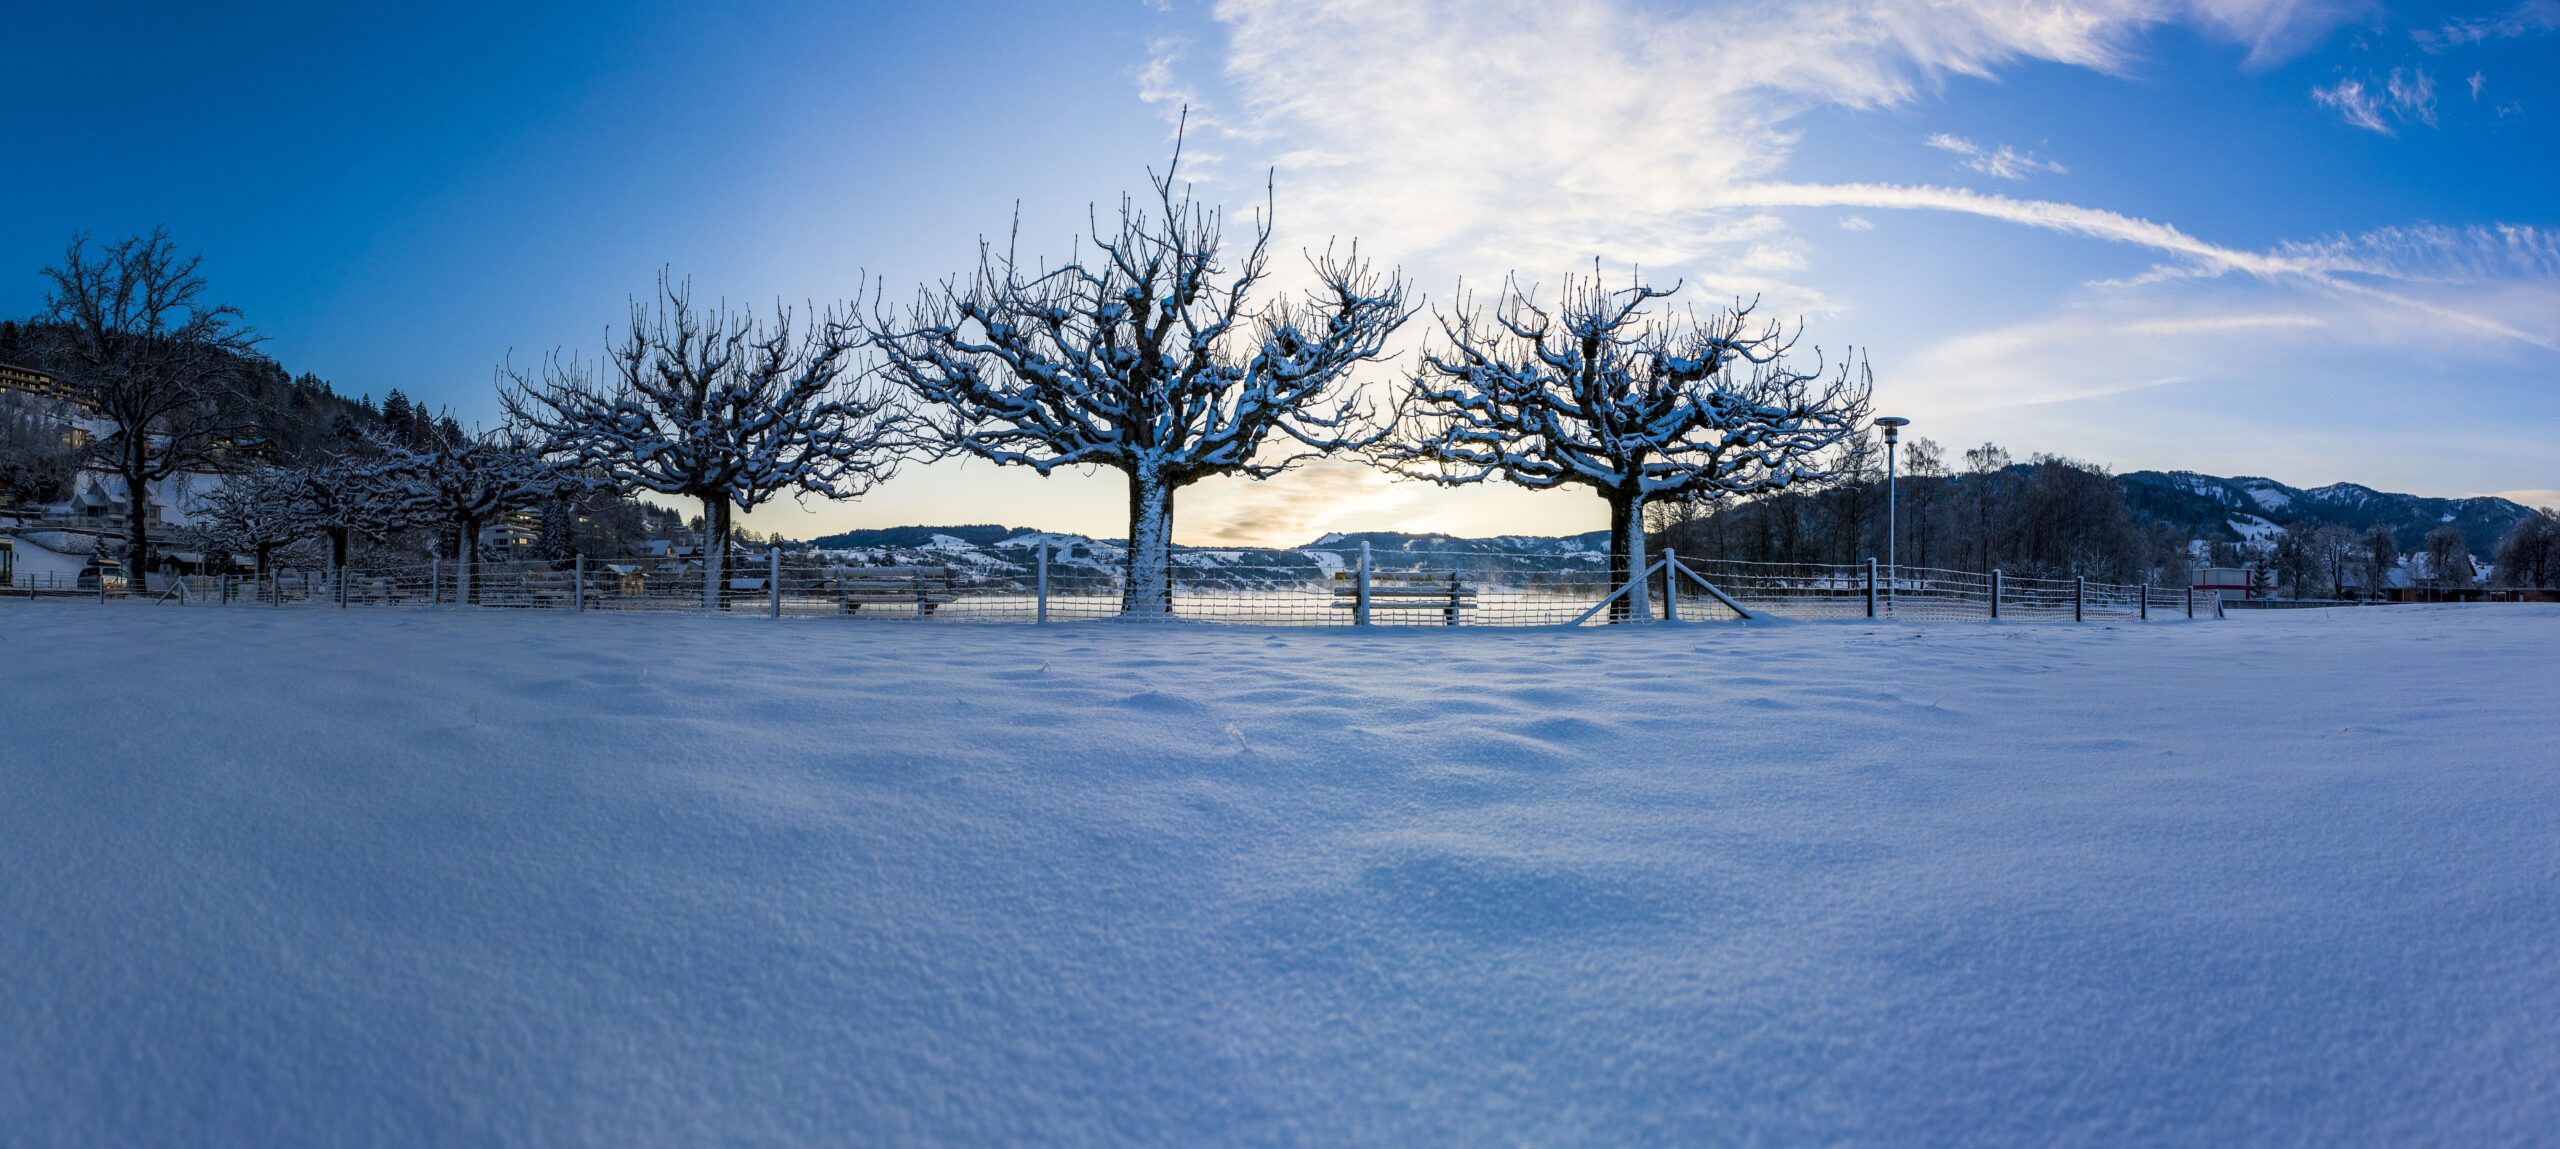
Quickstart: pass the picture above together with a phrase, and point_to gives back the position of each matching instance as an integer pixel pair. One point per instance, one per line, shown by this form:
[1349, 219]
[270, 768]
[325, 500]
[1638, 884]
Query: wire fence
[1349, 586]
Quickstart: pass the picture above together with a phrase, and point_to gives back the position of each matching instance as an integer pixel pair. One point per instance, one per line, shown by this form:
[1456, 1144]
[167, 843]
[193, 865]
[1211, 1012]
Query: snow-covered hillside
[436, 878]
[2254, 509]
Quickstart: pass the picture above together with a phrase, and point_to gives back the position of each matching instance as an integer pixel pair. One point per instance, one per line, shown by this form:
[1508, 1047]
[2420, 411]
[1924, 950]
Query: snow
[2255, 530]
[2270, 498]
[438, 877]
[39, 560]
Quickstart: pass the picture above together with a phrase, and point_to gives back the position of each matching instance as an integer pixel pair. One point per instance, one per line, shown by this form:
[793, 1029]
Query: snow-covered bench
[923, 588]
[1447, 593]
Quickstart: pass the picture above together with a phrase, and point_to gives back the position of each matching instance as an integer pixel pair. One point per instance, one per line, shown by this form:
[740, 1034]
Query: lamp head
[1893, 426]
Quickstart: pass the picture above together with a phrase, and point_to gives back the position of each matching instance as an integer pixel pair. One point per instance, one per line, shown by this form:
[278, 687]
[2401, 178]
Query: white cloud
[1541, 133]
[1486, 136]
[2531, 18]
[2479, 84]
[2004, 162]
[2405, 96]
[2325, 264]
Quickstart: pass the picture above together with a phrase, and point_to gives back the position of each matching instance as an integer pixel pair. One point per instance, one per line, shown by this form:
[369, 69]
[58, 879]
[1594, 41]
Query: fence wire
[1307, 587]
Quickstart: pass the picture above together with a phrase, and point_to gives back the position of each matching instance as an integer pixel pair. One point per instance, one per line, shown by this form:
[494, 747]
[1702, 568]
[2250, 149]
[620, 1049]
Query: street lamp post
[1892, 494]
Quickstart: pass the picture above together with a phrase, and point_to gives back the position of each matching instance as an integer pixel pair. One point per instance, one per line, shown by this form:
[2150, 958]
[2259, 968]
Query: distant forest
[2052, 516]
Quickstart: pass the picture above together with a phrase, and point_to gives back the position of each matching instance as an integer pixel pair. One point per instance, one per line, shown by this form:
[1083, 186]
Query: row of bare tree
[1156, 355]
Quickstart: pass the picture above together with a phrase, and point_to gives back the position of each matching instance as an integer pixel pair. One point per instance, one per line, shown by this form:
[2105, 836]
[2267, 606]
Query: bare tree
[2335, 548]
[143, 352]
[1151, 358]
[2529, 555]
[466, 482]
[2381, 556]
[722, 408]
[346, 497]
[1605, 392]
[2448, 558]
[254, 511]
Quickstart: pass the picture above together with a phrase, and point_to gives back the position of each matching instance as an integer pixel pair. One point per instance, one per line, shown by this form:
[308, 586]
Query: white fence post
[1670, 585]
[1360, 601]
[1871, 588]
[773, 579]
[1041, 612]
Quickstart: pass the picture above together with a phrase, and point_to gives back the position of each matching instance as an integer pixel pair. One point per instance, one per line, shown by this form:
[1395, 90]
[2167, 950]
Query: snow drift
[337, 878]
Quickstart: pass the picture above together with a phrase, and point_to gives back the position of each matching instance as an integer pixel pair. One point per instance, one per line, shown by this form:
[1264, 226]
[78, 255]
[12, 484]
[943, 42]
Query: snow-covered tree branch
[342, 498]
[465, 482]
[255, 512]
[1607, 391]
[1150, 356]
[719, 407]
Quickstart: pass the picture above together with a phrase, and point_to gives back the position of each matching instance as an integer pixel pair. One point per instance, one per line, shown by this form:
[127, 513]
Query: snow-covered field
[435, 878]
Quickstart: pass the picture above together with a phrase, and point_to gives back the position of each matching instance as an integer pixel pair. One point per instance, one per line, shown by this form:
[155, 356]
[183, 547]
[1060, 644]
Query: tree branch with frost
[1150, 356]
[720, 407]
[466, 482]
[1605, 390]
[252, 512]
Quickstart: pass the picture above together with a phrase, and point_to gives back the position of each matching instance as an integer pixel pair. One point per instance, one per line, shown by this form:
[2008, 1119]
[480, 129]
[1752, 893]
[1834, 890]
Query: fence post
[1995, 592]
[1871, 588]
[435, 578]
[1670, 585]
[1042, 611]
[2191, 602]
[2079, 597]
[773, 580]
[578, 583]
[1360, 598]
[2146, 601]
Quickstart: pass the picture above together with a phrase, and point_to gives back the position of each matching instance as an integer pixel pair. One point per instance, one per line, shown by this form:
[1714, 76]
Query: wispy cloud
[2405, 96]
[2003, 162]
[2330, 265]
[2479, 84]
[2531, 18]
[1474, 137]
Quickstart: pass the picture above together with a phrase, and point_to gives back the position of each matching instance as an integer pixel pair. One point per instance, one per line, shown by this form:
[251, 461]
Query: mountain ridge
[2246, 508]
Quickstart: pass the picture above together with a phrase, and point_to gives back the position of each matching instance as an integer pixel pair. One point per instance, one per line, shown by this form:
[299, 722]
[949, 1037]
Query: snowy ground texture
[438, 878]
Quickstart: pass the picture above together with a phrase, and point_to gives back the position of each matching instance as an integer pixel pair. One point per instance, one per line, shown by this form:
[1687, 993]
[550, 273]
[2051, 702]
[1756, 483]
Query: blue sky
[2310, 241]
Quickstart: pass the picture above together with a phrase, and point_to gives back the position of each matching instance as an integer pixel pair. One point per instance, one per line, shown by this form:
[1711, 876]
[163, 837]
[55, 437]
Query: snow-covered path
[320, 878]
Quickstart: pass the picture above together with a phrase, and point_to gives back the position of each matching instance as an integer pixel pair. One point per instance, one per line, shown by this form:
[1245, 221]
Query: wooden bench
[923, 588]
[1447, 593]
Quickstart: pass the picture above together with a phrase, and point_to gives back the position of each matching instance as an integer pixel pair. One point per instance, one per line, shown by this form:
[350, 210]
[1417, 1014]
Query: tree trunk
[715, 549]
[137, 531]
[1626, 556]
[1147, 584]
[466, 551]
